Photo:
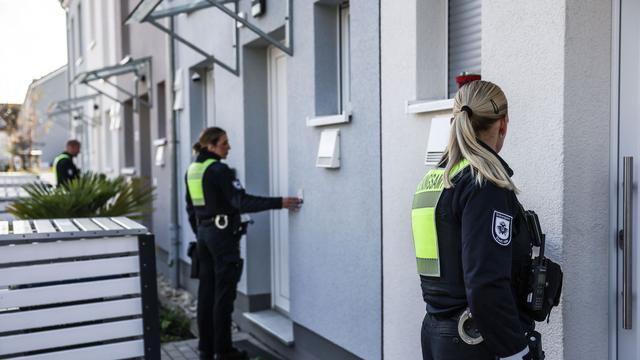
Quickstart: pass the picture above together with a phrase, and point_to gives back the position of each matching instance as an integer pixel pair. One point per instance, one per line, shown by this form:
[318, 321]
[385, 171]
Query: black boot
[234, 354]
[205, 356]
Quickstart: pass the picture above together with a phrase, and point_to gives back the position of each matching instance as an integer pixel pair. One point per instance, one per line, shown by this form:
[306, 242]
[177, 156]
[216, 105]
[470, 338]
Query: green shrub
[89, 195]
[174, 325]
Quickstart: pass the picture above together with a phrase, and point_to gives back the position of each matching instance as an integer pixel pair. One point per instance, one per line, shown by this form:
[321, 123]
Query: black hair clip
[496, 110]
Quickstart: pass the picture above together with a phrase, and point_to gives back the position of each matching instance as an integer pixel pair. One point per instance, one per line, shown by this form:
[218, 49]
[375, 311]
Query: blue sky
[32, 44]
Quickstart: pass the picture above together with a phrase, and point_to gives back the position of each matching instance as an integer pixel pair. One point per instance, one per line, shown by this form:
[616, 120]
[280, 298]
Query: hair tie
[467, 110]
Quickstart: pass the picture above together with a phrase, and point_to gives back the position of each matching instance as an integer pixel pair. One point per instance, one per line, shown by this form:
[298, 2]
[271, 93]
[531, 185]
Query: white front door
[627, 279]
[278, 176]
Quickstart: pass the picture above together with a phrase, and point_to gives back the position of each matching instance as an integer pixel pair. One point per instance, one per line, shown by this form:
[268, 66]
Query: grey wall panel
[335, 238]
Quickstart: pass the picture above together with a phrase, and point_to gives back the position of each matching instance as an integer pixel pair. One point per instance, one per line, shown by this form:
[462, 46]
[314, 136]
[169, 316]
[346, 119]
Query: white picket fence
[77, 289]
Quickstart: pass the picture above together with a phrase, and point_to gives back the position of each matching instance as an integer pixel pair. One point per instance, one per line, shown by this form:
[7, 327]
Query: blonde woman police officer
[215, 199]
[470, 238]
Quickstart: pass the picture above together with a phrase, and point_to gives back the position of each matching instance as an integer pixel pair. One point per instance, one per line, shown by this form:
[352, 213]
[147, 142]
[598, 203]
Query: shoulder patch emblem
[501, 228]
[237, 184]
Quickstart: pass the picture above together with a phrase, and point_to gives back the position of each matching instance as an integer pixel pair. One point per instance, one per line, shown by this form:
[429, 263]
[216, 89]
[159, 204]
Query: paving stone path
[188, 349]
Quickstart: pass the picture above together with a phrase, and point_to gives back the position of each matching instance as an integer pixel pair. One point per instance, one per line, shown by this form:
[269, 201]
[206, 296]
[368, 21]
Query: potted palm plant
[89, 195]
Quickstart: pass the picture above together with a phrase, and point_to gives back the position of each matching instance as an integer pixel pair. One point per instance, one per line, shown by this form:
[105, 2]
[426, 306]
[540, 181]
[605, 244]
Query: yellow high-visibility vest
[55, 164]
[195, 173]
[423, 219]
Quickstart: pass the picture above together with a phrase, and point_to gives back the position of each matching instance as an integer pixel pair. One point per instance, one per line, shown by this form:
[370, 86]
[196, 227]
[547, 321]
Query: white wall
[558, 83]
[403, 149]
[531, 73]
[552, 59]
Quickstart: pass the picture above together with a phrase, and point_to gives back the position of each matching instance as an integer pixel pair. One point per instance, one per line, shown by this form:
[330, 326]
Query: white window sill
[342, 118]
[428, 106]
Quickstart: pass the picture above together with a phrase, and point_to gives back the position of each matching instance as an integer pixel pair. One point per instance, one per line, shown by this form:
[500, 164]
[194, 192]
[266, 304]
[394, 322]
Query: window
[344, 56]
[464, 40]
[332, 46]
[162, 111]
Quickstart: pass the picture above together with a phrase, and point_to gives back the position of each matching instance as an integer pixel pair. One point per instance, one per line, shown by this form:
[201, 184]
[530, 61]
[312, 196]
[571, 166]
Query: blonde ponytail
[477, 106]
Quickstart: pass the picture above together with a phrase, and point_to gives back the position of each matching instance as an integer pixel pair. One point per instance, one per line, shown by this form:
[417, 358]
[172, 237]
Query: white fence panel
[122, 350]
[69, 314]
[69, 336]
[66, 249]
[33, 274]
[69, 292]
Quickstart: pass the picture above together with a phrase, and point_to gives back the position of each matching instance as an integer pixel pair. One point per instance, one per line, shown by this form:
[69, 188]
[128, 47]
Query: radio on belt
[538, 276]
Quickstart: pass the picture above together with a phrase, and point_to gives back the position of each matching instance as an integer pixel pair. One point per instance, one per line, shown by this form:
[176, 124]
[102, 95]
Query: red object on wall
[465, 77]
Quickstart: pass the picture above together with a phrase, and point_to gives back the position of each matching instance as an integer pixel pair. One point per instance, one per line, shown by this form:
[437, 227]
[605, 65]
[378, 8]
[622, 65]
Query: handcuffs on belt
[470, 334]
[221, 221]
[468, 330]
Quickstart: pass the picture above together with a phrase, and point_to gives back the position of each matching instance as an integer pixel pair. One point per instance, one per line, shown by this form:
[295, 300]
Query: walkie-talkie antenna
[542, 246]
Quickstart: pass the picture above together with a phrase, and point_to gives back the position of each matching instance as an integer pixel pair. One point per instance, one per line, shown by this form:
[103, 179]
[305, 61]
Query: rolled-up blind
[465, 38]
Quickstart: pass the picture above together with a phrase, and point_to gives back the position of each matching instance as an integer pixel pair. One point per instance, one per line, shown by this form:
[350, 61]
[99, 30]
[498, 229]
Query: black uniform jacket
[66, 169]
[224, 194]
[484, 249]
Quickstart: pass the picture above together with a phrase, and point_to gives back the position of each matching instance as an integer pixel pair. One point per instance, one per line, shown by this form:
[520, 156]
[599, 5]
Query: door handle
[627, 225]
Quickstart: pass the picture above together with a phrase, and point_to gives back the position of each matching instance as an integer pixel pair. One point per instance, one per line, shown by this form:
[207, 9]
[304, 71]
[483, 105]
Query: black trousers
[220, 271]
[440, 341]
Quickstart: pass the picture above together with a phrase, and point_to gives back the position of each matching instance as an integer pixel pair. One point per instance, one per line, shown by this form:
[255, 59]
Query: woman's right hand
[291, 203]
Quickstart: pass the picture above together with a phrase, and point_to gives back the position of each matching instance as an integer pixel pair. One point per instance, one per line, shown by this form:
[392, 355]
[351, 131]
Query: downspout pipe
[174, 227]
[69, 59]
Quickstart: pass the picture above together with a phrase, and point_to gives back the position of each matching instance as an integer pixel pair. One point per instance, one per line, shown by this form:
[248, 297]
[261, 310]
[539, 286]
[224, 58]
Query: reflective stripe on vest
[194, 181]
[55, 164]
[423, 221]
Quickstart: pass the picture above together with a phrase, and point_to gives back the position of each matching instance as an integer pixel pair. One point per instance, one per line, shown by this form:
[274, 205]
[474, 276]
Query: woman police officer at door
[215, 199]
[471, 240]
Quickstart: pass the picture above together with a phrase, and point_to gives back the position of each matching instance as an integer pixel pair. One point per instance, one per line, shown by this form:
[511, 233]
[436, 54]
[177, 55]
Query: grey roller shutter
[465, 38]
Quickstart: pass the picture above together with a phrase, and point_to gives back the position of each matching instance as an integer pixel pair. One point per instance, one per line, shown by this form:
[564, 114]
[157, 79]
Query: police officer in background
[471, 261]
[64, 169]
[215, 200]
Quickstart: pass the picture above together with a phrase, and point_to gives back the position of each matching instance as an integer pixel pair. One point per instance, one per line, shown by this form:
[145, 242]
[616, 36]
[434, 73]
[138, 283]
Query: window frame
[446, 49]
[344, 57]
